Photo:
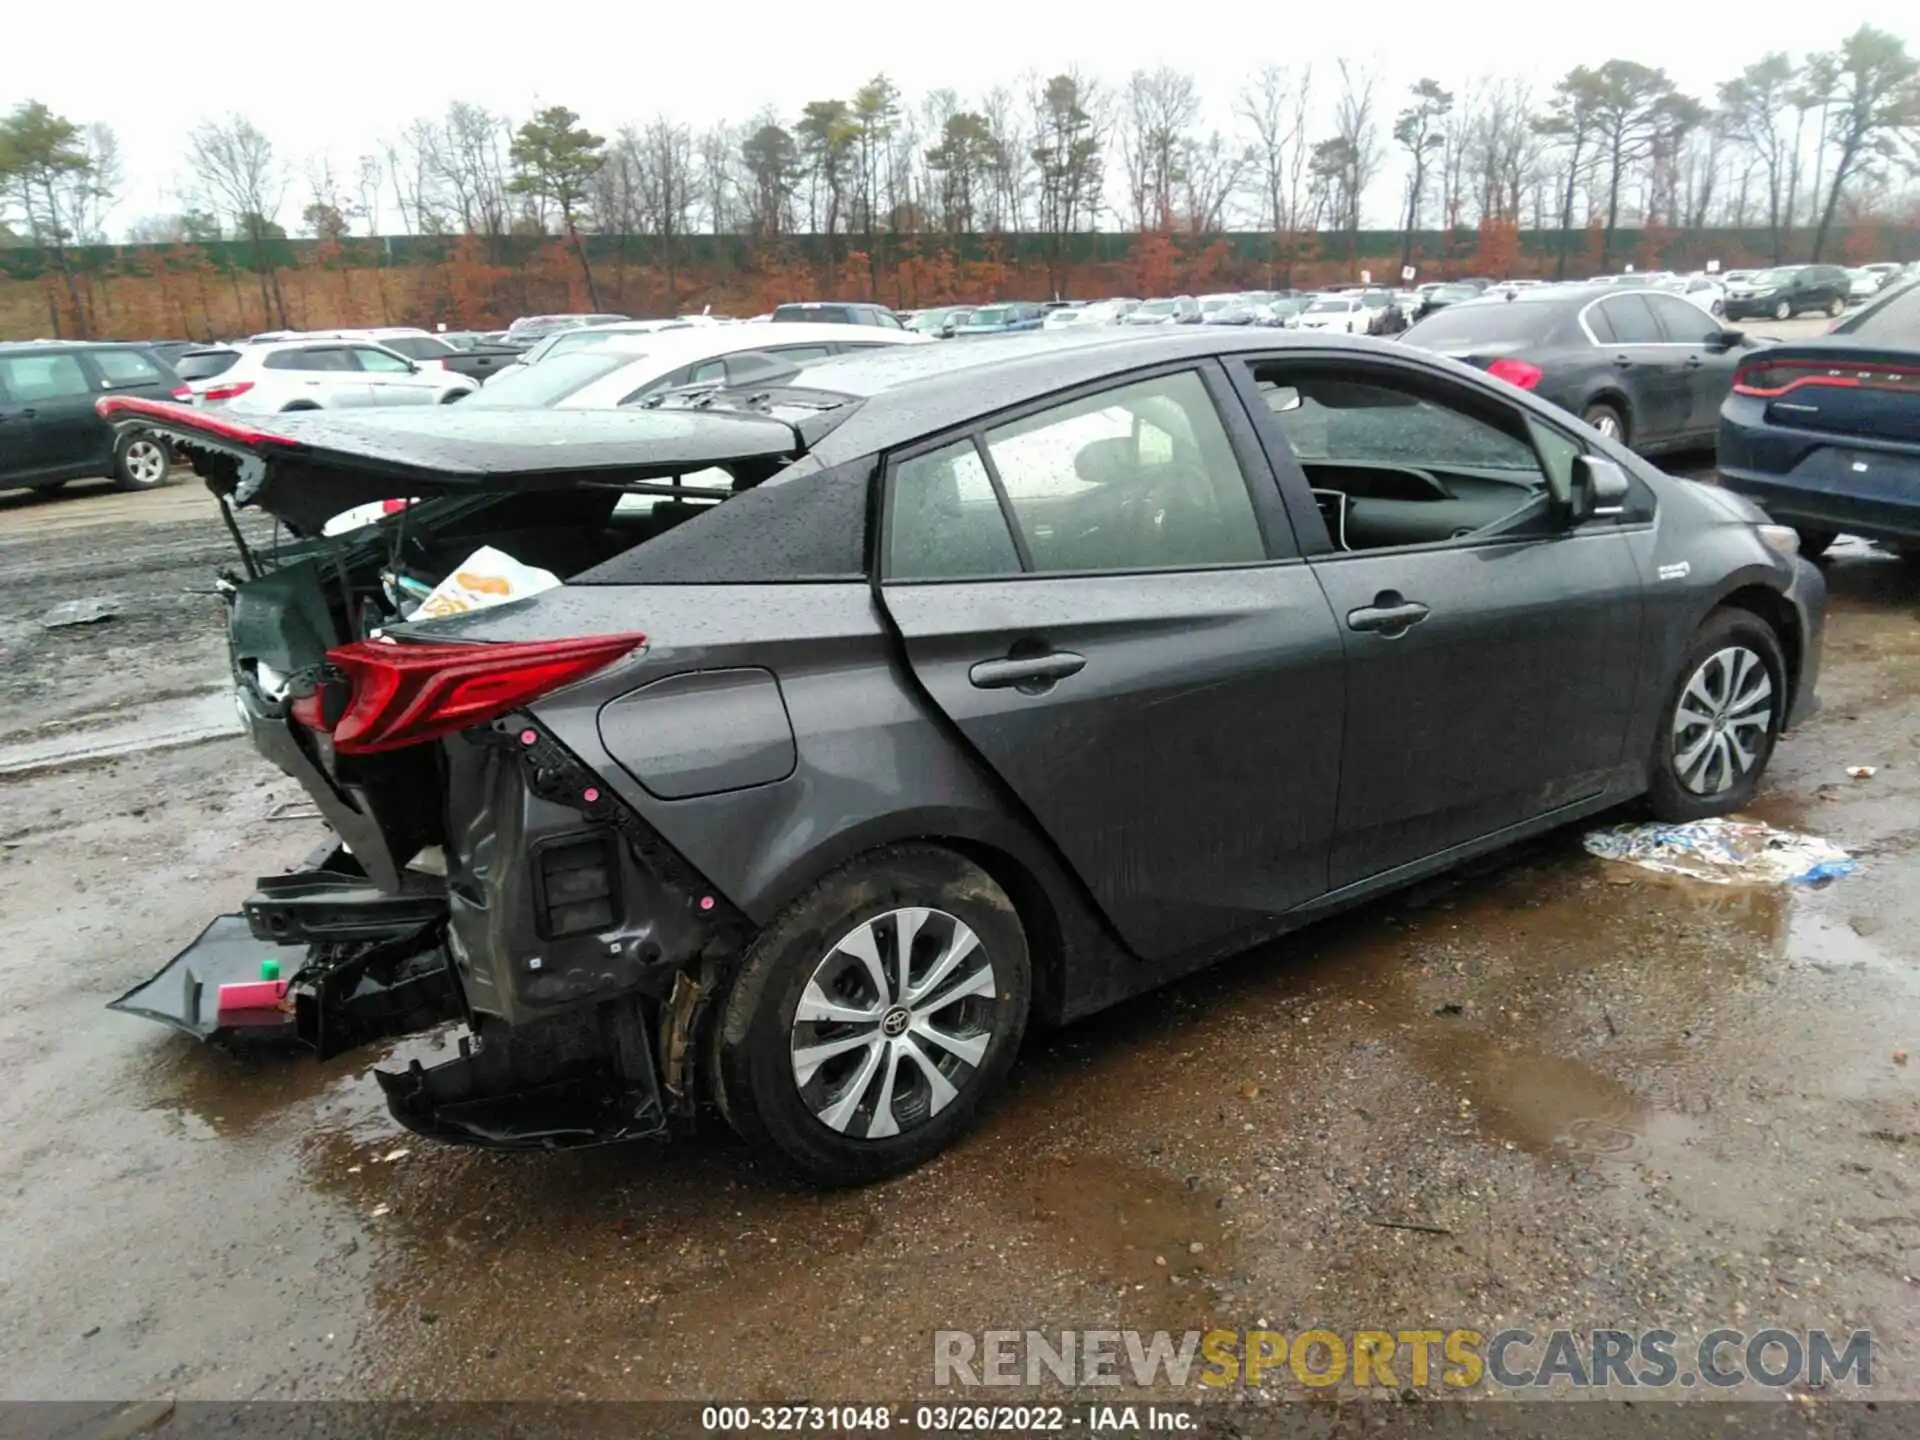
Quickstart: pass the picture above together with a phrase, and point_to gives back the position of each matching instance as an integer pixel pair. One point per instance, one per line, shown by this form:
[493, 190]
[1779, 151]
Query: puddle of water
[1134, 1226]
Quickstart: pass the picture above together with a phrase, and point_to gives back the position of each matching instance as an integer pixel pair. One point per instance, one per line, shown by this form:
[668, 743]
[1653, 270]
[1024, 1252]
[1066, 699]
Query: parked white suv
[327, 374]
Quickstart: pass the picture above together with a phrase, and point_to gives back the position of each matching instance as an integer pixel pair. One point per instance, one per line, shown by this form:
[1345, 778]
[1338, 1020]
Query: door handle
[1624, 362]
[1389, 615]
[1031, 673]
[1694, 362]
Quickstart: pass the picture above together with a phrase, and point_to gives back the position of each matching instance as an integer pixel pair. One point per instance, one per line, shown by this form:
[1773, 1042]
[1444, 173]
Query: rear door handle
[1390, 619]
[1694, 362]
[1625, 362]
[1026, 672]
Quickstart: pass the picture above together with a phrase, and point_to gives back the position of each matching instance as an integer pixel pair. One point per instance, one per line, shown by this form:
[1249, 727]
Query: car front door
[1491, 653]
[50, 413]
[1101, 594]
[393, 379]
[1708, 361]
[321, 375]
[1650, 369]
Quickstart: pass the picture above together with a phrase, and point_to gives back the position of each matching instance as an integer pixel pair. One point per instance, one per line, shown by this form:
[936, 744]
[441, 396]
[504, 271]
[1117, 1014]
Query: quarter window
[943, 520]
[1137, 478]
[126, 367]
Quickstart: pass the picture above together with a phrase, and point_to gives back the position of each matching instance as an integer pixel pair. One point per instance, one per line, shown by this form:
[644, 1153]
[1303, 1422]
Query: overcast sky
[342, 78]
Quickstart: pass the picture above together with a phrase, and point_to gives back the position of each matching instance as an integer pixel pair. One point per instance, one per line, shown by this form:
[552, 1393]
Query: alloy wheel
[145, 463]
[1722, 721]
[1783, 311]
[893, 1023]
[1607, 423]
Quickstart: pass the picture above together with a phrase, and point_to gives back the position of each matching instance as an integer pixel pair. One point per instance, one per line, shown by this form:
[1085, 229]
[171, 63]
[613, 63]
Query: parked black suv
[1789, 290]
[49, 431]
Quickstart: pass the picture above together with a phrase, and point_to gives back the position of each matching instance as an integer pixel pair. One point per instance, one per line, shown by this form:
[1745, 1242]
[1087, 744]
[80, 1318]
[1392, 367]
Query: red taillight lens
[1516, 372]
[227, 392]
[182, 393]
[1768, 380]
[393, 507]
[406, 694]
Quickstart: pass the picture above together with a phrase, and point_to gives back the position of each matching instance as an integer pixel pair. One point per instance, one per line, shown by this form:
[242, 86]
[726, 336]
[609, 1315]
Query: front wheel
[1837, 308]
[1783, 311]
[140, 462]
[872, 1019]
[1717, 731]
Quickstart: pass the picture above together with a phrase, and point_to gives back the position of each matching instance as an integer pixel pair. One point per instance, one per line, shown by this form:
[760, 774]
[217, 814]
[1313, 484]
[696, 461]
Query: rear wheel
[1814, 543]
[1608, 420]
[1717, 731]
[140, 462]
[871, 1020]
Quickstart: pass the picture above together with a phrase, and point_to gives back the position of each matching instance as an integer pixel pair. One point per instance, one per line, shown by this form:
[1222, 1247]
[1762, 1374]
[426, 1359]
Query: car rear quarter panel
[872, 763]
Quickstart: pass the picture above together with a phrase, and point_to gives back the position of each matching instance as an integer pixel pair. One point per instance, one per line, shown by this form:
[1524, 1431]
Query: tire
[1608, 420]
[140, 462]
[1783, 311]
[1814, 543]
[801, 1120]
[1838, 307]
[1718, 308]
[1695, 772]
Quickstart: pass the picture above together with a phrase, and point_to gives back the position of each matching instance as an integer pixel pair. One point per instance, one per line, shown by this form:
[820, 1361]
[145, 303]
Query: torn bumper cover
[319, 957]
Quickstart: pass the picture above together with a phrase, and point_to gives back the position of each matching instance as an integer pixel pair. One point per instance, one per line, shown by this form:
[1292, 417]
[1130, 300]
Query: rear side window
[324, 358]
[126, 367]
[1142, 477]
[1631, 321]
[205, 364]
[943, 520]
[27, 378]
[1683, 321]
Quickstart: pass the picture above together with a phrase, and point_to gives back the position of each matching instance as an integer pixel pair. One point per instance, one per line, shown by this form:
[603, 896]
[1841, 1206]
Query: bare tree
[1272, 108]
[1359, 145]
[715, 151]
[1006, 198]
[239, 175]
[1158, 112]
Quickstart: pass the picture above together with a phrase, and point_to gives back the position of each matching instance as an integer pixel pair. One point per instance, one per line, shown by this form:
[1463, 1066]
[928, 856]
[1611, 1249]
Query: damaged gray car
[895, 704]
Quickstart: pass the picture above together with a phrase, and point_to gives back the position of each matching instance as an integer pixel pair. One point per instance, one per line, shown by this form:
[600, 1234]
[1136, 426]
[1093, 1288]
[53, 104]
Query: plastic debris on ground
[78, 612]
[1862, 772]
[485, 578]
[1724, 852]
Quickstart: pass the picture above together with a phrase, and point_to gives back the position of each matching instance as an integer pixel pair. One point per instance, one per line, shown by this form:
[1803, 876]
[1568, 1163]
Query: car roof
[43, 347]
[931, 387]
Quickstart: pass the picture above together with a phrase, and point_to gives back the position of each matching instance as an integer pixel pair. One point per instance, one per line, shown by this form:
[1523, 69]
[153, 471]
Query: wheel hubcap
[1607, 426]
[893, 1023]
[1723, 720]
[144, 461]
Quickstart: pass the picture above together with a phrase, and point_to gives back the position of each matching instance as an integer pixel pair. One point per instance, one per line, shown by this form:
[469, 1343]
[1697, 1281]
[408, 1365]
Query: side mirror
[1727, 339]
[1597, 487]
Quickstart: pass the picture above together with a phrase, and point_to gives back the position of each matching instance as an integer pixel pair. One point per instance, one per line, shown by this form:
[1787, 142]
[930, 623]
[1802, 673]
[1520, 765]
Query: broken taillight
[404, 694]
[227, 392]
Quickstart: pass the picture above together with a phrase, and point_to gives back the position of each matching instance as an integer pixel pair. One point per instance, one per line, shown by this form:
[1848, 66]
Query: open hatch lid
[308, 466]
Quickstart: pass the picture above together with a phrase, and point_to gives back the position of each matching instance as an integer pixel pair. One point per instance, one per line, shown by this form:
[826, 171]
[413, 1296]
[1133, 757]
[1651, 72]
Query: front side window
[27, 378]
[126, 367]
[1683, 321]
[1631, 322]
[1137, 478]
[1391, 465]
[380, 362]
[323, 358]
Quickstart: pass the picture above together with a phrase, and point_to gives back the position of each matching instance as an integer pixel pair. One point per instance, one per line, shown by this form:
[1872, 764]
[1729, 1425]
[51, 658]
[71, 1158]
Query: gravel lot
[1614, 1098]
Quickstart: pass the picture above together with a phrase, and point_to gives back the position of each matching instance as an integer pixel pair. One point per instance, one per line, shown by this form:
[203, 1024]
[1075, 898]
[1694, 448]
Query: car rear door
[1651, 369]
[1102, 594]
[1489, 676]
[323, 375]
[51, 394]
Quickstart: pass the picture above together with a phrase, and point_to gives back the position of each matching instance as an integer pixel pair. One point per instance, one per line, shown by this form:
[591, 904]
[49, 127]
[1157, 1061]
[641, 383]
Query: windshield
[1375, 301]
[1894, 321]
[1158, 307]
[1774, 277]
[417, 347]
[540, 386]
[991, 315]
[928, 320]
[1329, 307]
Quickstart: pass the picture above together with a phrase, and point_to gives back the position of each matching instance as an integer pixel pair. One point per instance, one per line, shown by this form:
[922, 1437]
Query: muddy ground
[1613, 1098]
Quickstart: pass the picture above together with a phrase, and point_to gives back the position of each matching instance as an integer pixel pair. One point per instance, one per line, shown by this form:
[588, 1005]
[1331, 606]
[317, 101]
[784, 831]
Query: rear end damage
[483, 874]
